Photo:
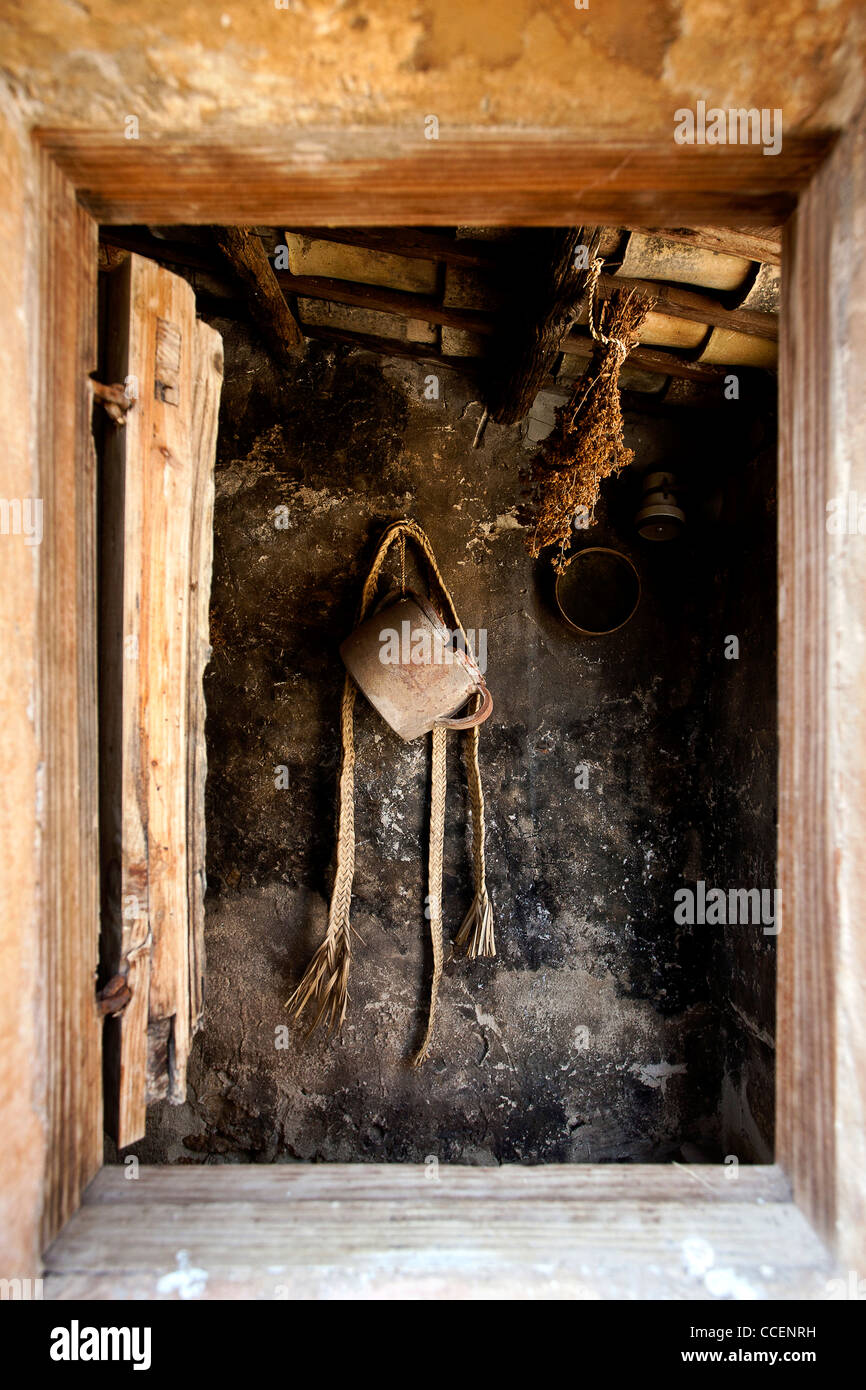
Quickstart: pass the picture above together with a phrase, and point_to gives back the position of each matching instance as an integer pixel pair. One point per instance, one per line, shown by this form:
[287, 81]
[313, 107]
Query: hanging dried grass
[586, 444]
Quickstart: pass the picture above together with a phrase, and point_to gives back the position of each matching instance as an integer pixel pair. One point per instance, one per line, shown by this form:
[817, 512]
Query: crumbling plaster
[608, 70]
[603, 1032]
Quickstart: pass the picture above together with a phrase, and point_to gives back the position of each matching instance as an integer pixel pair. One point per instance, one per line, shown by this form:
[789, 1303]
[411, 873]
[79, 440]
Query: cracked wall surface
[606, 70]
[603, 1031]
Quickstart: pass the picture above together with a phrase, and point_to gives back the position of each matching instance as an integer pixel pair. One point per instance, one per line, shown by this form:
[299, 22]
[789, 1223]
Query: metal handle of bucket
[470, 721]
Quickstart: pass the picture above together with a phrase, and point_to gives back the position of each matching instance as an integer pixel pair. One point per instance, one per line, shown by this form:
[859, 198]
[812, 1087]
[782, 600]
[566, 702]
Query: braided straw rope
[476, 931]
[325, 982]
[434, 879]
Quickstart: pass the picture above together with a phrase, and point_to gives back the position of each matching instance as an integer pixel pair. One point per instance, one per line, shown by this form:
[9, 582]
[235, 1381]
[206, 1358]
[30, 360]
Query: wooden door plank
[164, 305]
[23, 1070]
[65, 355]
[207, 384]
[821, 1042]
[157, 511]
[125, 947]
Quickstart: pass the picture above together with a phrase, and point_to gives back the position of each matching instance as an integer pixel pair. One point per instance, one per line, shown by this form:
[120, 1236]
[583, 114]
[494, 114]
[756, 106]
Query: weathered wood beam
[392, 347]
[167, 252]
[698, 308]
[465, 252]
[411, 242]
[821, 1036]
[729, 241]
[650, 359]
[401, 241]
[398, 302]
[670, 299]
[547, 280]
[247, 257]
[576, 343]
[386, 177]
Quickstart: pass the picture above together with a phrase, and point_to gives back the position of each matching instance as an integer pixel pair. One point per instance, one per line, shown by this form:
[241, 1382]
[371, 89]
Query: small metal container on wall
[660, 517]
[414, 670]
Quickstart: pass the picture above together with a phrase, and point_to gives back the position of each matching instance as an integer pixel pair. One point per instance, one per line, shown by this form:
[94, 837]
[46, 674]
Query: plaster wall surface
[607, 70]
[603, 1031]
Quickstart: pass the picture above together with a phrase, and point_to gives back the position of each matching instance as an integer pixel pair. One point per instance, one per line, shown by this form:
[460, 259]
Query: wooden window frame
[381, 178]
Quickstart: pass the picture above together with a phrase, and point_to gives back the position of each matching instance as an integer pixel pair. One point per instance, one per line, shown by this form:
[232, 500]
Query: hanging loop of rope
[620, 346]
[324, 986]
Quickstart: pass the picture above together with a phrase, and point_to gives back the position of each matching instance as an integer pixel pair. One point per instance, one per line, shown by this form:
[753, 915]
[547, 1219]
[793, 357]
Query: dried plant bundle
[586, 444]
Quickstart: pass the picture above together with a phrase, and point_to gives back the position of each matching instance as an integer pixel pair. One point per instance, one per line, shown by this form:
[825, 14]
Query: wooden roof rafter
[538, 319]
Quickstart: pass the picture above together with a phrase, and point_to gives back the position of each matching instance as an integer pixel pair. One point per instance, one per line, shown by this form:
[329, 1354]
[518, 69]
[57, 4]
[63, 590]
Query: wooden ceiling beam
[142, 241]
[399, 302]
[727, 241]
[548, 276]
[248, 260]
[650, 359]
[412, 242]
[391, 177]
[392, 347]
[670, 299]
[698, 308]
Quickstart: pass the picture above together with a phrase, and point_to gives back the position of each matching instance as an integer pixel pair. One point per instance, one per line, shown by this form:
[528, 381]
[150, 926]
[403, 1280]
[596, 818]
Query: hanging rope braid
[476, 930]
[325, 985]
[434, 880]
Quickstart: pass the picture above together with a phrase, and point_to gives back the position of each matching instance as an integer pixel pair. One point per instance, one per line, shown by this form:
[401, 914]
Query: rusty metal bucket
[414, 670]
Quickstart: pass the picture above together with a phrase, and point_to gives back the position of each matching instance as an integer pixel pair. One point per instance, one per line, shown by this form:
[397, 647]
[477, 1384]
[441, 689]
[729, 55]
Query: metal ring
[597, 632]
